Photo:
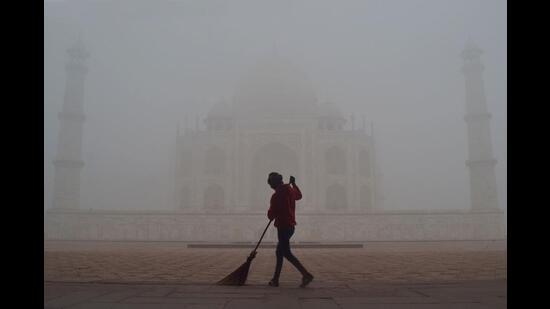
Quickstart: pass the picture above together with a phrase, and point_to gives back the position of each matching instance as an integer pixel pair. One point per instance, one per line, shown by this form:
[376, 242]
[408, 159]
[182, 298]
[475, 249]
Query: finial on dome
[471, 49]
[78, 49]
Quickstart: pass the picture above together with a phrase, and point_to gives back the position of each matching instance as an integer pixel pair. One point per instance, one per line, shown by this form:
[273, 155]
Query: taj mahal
[275, 122]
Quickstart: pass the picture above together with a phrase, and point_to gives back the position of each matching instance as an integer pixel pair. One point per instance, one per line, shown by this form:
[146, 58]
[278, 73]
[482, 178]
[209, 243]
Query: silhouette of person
[282, 207]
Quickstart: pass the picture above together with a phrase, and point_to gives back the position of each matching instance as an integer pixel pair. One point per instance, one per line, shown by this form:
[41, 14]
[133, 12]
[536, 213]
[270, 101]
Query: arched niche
[185, 162]
[364, 163]
[271, 157]
[184, 197]
[335, 161]
[365, 197]
[336, 197]
[214, 161]
[213, 197]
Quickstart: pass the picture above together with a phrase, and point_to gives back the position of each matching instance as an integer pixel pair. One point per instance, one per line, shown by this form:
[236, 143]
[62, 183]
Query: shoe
[306, 280]
[273, 283]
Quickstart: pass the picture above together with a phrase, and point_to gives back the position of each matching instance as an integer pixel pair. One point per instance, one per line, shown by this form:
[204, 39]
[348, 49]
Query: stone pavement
[154, 275]
[465, 294]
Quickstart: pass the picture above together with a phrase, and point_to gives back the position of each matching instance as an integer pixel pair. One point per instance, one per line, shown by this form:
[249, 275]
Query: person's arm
[296, 190]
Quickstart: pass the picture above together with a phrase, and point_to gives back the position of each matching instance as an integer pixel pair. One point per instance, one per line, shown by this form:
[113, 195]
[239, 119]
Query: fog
[154, 64]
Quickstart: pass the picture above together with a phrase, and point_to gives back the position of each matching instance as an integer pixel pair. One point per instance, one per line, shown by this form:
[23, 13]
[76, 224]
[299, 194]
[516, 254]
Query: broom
[238, 277]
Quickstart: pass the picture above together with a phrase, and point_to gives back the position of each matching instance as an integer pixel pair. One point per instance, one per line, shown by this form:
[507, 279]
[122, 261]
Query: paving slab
[90, 305]
[119, 295]
[476, 294]
[74, 298]
[319, 303]
[415, 306]
[178, 277]
[247, 304]
[176, 265]
[175, 300]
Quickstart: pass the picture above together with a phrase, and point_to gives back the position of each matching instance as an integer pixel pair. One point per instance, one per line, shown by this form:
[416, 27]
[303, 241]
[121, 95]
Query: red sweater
[282, 205]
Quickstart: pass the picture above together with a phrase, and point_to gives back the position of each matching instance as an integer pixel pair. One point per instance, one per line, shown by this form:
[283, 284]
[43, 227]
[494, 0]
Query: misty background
[154, 63]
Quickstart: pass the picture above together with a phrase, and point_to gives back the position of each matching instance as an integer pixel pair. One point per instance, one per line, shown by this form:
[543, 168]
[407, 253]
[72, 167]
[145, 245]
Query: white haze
[155, 62]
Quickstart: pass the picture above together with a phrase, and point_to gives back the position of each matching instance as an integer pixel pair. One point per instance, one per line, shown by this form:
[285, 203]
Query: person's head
[274, 180]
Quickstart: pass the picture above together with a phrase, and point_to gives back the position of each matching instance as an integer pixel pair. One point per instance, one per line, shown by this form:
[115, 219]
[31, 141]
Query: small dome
[78, 50]
[471, 45]
[471, 49]
[330, 117]
[329, 110]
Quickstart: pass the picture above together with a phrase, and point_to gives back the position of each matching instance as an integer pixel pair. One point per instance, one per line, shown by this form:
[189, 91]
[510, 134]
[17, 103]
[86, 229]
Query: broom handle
[262, 236]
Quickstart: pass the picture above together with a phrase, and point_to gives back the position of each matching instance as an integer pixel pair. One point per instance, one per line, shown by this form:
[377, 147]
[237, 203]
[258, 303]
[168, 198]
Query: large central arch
[272, 157]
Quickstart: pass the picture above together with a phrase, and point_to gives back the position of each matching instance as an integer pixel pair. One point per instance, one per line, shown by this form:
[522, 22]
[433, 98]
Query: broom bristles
[238, 277]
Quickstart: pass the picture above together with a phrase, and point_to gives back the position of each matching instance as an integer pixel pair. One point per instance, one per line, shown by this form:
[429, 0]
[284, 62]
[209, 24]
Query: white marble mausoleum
[274, 122]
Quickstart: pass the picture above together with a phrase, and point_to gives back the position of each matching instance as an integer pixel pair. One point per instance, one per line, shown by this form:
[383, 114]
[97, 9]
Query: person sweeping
[282, 210]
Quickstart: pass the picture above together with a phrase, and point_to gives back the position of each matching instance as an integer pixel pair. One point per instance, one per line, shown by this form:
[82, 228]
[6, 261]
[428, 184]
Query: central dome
[275, 87]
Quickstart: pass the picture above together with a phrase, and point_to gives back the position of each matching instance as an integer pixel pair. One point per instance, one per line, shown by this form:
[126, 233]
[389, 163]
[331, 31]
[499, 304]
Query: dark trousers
[283, 250]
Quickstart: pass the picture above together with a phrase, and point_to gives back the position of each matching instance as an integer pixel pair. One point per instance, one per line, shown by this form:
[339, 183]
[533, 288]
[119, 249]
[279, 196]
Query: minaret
[68, 161]
[483, 194]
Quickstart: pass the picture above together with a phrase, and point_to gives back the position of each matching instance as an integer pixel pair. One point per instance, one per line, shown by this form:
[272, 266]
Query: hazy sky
[153, 62]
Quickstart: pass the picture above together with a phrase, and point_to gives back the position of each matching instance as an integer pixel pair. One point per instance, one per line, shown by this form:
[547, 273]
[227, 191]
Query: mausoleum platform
[247, 227]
